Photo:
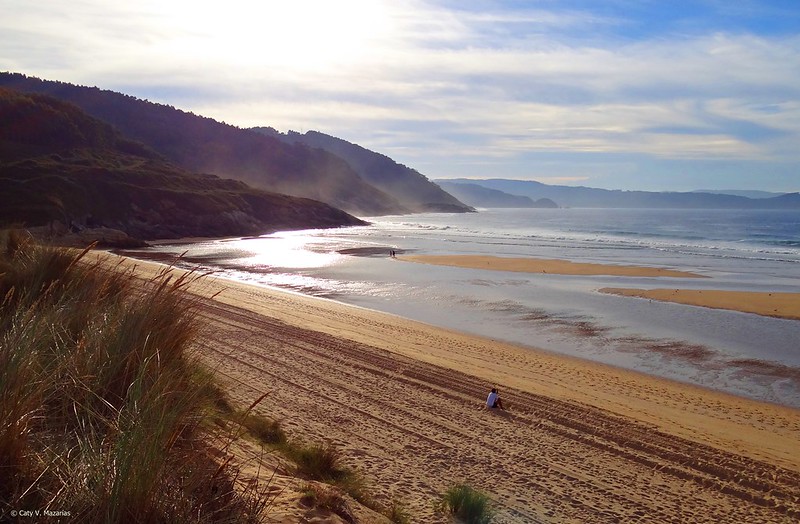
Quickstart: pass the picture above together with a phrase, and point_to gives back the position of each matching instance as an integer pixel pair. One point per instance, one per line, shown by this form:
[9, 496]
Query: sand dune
[781, 305]
[581, 443]
[542, 265]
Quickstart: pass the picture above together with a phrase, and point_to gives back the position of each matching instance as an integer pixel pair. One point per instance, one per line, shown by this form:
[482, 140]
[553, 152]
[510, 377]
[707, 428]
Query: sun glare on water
[284, 251]
[301, 34]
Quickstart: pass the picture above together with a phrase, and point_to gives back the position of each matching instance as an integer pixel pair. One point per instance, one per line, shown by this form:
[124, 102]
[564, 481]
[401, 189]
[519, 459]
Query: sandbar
[581, 442]
[543, 265]
[780, 305]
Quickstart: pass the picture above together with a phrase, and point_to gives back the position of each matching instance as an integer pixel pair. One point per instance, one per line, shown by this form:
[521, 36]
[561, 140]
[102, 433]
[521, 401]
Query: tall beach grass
[466, 505]
[101, 405]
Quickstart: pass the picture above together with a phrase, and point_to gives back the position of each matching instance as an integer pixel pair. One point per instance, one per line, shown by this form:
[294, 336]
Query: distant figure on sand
[493, 400]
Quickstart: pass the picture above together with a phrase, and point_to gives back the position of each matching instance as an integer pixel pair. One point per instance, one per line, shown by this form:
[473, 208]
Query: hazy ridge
[411, 188]
[480, 196]
[201, 144]
[58, 164]
[578, 196]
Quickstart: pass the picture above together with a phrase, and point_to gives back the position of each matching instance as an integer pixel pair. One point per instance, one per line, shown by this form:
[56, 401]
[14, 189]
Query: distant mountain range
[59, 165]
[87, 158]
[740, 192]
[262, 160]
[569, 196]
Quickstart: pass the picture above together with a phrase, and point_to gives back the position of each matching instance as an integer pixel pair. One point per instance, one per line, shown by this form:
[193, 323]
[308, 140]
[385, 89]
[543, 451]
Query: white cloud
[428, 81]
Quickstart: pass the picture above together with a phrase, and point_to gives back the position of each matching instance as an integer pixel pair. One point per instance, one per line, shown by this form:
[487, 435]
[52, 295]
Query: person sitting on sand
[493, 400]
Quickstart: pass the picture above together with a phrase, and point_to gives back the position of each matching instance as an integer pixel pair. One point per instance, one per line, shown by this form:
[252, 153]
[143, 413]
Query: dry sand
[781, 305]
[543, 265]
[582, 442]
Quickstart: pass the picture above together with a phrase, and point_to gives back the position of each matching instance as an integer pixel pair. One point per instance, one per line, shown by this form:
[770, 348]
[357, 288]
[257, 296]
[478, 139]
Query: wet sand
[780, 305]
[541, 265]
[582, 442]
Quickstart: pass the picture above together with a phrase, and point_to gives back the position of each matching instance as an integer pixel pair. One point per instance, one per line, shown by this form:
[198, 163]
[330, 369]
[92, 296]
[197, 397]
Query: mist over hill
[200, 144]
[578, 196]
[310, 165]
[479, 196]
[412, 189]
[59, 165]
[740, 192]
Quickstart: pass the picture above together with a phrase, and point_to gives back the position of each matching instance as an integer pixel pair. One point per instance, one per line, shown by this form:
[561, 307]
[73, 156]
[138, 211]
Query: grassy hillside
[59, 164]
[101, 405]
[200, 144]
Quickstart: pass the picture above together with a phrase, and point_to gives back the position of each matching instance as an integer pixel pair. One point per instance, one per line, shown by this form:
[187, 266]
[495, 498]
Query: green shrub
[398, 513]
[322, 462]
[265, 430]
[323, 496]
[466, 504]
[318, 462]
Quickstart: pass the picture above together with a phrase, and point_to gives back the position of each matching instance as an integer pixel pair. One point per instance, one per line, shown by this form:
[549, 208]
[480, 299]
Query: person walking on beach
[493, 400]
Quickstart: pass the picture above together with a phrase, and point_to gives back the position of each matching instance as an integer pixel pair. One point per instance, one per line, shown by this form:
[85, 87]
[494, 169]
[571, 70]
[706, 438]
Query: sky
[618, 94]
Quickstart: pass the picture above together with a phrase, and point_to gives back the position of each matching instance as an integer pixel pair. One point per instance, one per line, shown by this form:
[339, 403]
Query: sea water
[741, 353]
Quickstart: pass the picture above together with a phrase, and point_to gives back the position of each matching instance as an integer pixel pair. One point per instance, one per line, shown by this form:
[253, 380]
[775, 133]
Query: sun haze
[658, 96]
[299, 35]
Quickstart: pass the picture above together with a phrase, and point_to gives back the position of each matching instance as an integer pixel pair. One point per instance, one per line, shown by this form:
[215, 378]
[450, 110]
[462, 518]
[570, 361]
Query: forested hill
[411, 188]
[200, 144]
[59, 165]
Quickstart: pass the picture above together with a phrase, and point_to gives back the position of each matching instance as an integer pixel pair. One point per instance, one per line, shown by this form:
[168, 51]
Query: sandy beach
[779, 305]
[542, 265]
[581, 442]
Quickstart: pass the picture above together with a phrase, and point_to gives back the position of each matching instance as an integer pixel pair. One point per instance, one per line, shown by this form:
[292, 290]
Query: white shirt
[491, 399]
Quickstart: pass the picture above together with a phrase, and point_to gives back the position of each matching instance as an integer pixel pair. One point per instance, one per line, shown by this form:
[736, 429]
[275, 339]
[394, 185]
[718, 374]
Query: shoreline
[778, 305]
[403, 400]
[770, 304]
[546, 265]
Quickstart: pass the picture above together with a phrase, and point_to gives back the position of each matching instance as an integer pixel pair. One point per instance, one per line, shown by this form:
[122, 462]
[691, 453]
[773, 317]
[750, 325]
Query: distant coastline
[587, 197]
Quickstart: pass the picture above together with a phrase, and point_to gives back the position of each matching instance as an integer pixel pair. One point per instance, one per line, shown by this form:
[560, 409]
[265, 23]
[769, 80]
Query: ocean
[740, 353]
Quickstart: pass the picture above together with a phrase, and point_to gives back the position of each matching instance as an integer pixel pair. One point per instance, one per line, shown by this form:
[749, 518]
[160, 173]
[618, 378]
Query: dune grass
[466, 504]
[101, 404]
[105, 414]
[318, 462]
[397, 513]
[265, 430]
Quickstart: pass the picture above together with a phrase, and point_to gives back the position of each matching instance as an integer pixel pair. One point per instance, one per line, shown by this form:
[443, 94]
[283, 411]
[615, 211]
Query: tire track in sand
[413, 428]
